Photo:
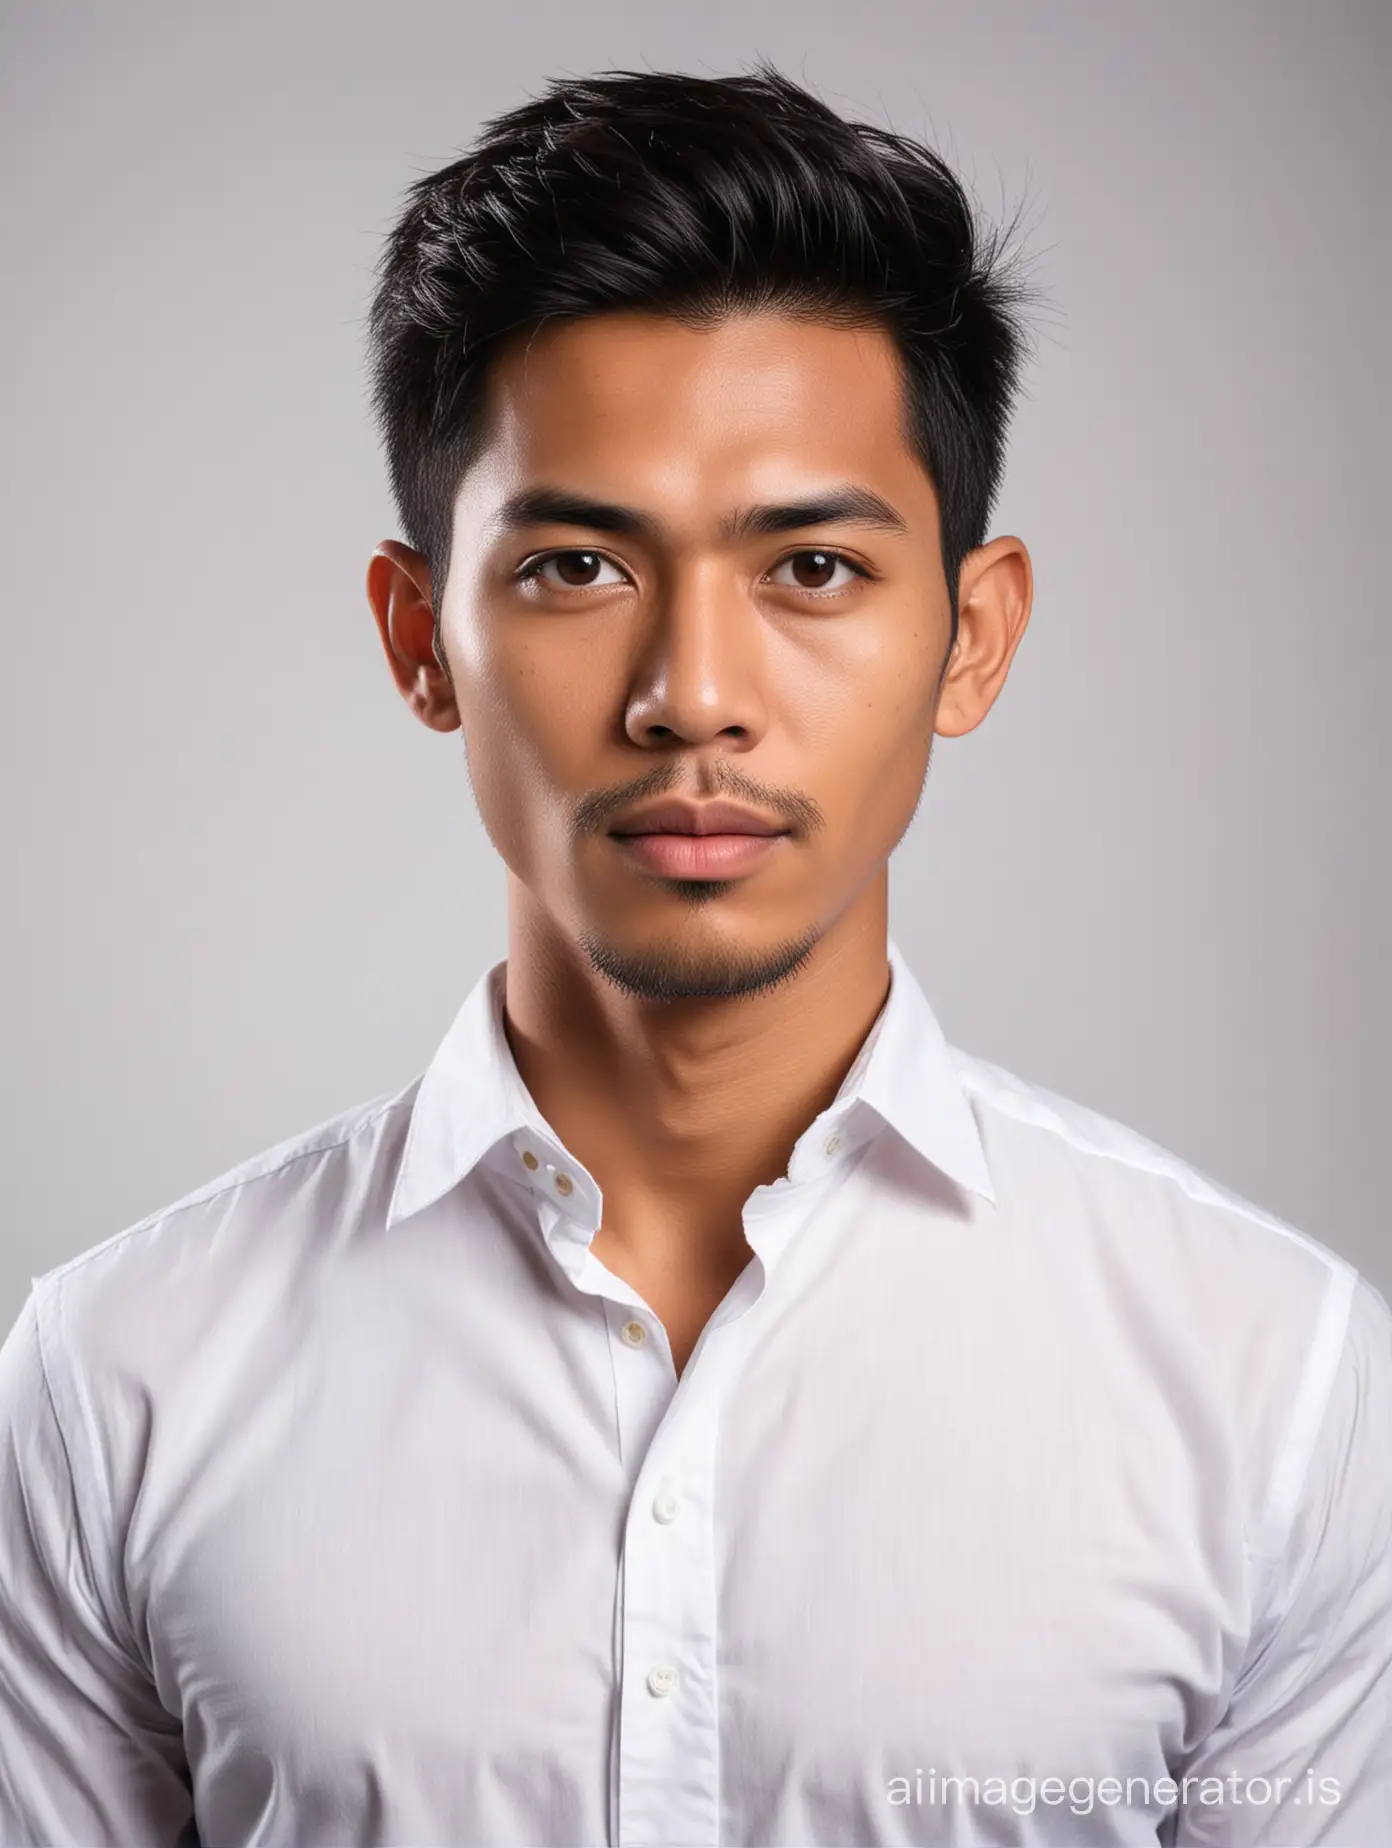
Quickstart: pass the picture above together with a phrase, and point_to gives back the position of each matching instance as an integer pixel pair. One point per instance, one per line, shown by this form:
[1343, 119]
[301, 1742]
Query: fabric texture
[1028, 1487]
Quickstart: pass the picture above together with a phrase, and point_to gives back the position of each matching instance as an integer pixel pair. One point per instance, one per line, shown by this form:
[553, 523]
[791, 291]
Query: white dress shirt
[1023, 1474]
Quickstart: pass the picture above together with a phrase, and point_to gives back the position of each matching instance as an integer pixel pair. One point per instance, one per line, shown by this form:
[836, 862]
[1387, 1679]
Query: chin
[668, 970]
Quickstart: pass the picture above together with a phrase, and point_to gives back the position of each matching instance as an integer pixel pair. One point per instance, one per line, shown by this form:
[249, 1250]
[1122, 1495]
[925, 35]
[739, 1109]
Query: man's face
[598, 664]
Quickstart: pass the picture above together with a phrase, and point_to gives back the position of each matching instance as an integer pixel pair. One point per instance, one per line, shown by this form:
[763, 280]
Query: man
[705, 1407]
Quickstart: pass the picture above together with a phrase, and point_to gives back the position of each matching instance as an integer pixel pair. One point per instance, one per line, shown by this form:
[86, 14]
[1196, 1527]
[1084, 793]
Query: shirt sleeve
[88, 1755]
[1303, 1754]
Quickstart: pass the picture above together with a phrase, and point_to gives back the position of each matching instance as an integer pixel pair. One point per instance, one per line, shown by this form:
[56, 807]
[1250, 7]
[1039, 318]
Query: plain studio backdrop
[248, 890]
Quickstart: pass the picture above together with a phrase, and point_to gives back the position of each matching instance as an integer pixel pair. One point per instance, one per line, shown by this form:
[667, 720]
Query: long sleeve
[87, 1753]
[1313, 1702]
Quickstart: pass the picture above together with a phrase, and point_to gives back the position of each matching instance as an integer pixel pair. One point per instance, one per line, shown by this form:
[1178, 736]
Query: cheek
[540, 687]
[874, 766]
[876, 732]
[526, 742]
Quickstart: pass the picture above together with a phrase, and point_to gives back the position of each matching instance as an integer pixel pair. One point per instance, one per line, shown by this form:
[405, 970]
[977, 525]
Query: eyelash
[533, 566]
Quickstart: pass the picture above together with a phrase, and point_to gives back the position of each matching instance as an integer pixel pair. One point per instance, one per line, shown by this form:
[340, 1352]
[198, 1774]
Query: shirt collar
[472, 1098]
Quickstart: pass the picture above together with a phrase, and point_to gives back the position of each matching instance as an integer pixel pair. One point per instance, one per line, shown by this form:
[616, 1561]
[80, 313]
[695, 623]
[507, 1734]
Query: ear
[398, 589]
[995, 592]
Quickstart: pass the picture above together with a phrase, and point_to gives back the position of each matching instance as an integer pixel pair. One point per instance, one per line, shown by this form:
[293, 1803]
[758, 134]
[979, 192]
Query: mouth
[699, 856]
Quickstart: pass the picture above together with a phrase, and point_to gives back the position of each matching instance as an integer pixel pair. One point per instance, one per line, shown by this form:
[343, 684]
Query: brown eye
[574, 570]
[577, 567]
[815, 570]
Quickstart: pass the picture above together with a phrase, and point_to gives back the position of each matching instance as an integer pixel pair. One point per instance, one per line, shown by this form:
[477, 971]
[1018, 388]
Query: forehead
[644, 398]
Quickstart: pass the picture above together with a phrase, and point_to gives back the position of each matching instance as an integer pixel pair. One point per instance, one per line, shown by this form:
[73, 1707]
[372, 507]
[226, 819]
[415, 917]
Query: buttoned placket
[665, 1756]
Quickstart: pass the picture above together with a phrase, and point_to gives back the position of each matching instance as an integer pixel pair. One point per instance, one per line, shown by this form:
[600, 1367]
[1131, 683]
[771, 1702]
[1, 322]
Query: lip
[699, 856]
[673, 815]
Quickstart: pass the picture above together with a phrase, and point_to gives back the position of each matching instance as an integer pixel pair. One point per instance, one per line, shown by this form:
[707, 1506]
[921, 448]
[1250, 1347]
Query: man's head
[694, 398]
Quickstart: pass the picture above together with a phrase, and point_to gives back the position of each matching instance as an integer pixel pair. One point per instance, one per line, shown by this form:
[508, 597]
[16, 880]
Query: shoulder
[1059, 1156]
[1231, 1309]
[1194, 1270]
[269, 1215]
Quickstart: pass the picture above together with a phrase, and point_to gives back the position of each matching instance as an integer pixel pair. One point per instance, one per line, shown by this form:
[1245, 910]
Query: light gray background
[248, 890]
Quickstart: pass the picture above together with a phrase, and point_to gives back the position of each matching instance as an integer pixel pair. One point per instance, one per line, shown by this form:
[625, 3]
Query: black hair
[695, 197]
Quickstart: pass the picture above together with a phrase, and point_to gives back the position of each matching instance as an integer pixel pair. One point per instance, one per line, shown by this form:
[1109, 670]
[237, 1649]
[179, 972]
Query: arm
[87, 1753]
[1313, 1700]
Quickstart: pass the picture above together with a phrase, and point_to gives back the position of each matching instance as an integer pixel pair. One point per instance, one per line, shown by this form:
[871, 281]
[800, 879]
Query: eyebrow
[846, 504]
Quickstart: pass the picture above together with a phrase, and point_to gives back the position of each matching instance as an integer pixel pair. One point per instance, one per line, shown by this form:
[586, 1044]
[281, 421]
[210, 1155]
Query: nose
[699, 674]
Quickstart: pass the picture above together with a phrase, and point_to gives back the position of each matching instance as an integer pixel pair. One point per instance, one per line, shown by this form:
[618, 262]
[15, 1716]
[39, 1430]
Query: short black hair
[695, 197]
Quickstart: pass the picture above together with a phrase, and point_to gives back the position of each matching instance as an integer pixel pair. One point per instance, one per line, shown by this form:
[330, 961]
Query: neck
[680, 1109]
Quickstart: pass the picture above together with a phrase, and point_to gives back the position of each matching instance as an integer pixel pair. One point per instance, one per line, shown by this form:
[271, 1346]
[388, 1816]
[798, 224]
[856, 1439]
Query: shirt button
[662, 1679]
[665, 1508]
[634, 1333]
[529, 1160]
[833, 1143]
[564, 1184]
